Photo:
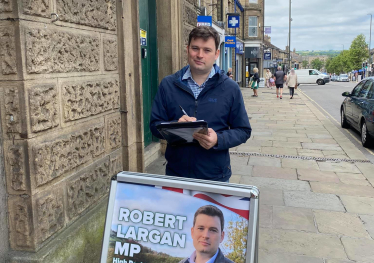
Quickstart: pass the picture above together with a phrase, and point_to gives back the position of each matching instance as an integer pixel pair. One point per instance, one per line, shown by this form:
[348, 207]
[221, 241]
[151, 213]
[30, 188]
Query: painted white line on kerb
[372, 153]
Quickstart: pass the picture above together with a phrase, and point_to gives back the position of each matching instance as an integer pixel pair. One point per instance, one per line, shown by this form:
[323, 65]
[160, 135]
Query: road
[328, 100]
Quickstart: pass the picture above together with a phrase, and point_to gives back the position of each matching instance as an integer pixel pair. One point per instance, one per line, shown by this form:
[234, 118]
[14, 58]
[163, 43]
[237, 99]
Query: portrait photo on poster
[163, 224]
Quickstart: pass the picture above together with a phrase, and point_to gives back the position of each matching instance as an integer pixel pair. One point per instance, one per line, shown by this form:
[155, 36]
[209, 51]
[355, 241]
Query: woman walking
[255, 81]
[292, 82]
[267, 78]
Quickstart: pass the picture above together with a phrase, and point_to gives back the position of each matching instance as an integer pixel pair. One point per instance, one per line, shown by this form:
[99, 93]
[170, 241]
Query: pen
[184, 112]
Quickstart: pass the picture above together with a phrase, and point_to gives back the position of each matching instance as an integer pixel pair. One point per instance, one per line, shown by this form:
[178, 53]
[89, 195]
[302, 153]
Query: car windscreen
[343, 75]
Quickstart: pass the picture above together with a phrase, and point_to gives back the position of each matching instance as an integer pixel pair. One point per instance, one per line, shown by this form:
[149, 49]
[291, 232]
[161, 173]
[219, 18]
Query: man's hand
[206, 141]
[185, 118]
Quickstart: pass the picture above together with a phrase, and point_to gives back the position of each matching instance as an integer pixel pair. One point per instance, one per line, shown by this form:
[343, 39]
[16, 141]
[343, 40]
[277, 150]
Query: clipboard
[179, 133]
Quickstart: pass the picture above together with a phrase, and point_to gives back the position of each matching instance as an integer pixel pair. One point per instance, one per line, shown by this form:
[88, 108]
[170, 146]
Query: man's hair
[279, 68]
[255, 70]
[210, 210]
[204, 32]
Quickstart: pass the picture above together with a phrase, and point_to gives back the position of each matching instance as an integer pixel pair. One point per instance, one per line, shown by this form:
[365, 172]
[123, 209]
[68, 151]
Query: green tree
[237, 239]
[358, 52]
[317, 64]
[304, 63]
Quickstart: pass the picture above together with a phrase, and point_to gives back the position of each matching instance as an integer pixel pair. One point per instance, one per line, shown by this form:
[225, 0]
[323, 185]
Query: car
[334, 78]
[343, 77]
[357, 110]
[311, 76]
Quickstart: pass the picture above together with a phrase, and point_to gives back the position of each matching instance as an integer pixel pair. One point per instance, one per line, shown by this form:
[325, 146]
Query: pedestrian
[255, 81]
[272, 81]
[280, 78]
[205, 93]
[356, 76]
[267, 78]
[229, 73]
[292, 82]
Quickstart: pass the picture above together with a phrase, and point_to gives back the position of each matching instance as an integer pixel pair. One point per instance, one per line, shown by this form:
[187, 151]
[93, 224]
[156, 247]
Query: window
[252, 25]
[313, 72]
[253, 1]
[357, 89]
[370, 88]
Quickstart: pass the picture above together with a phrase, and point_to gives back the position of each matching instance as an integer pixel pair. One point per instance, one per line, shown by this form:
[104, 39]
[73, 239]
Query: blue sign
[239, 47]
[143, 41]
[204, 21]
[268, 30]
[230, 41]
[267, 56]
[233, 21]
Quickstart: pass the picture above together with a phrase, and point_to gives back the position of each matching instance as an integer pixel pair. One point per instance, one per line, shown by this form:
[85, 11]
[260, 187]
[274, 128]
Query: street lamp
[371, 17]
[289, 37]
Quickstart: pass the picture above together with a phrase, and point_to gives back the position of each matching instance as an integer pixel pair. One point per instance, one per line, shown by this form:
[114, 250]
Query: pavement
[316, 187]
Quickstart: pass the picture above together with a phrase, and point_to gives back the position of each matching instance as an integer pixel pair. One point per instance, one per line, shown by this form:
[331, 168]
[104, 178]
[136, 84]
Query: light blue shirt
[192, 258]
[196, 89]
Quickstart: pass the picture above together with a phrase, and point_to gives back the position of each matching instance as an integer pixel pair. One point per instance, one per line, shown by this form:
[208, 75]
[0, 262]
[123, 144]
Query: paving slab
[258, 143]
[299, 164]
[269, 257]
[349, 181]
[274, 172]
[238, 160]
[295, 218]
[338, 223]
[339, 261]
[321, 146]
[235, 179]
[280, 184]
[293, 145]
[324, 141]
[248, 148]
[241, 169]
[269, 138]
[270, 196]
[301, 243]
[289, 139]
[313, 200]
[338, 167]
[320, 136]
[358, 205]
[311, 153]
[264, 161]
[359, 249]
[316, 175]
[279, 150]
[342, 189]
[368, 224]
[266, 216]
[350, 176]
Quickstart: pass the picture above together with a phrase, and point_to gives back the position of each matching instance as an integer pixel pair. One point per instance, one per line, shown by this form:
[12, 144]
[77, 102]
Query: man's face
[207, 234]
[202, 55]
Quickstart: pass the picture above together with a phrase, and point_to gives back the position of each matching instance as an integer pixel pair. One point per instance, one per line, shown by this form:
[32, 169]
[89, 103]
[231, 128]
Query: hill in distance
[331, 53]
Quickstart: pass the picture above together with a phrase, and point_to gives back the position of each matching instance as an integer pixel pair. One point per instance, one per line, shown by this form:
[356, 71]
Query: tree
[358, 52]
[304, 63]
[237, 231]
[317, 64]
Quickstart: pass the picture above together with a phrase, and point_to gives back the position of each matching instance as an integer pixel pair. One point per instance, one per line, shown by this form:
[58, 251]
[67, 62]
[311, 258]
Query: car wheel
[320, 82]
[343, 120]
[365, 137]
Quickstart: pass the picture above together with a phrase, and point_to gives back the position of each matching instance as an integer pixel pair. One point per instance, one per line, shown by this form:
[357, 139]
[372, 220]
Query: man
[280, 78]
[207, 233]
[205, 93]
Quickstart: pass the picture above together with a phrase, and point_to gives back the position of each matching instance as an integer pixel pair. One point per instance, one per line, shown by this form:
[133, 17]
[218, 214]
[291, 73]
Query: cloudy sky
[319, 24]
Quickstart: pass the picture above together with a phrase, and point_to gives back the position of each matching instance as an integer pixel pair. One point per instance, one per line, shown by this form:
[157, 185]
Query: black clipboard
[179, 133]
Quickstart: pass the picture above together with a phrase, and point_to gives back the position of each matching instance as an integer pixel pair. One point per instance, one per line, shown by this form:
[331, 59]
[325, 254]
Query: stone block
[245, 170]
[311, 153]
[313, 200]
[359, 249]
[341, 167]
[43, 106]
[114, 135]
[133, 157]
[266, 216]
[316, 175]
[279, 150]
[40, 8]
[301, 219]
[110, 54]
[280, 184]
[321, 146]
[337, 223]
[95, 13]
[87, 187]
[274, 172]
[7, 48]
[115, 162]
[264, 161]
[11, 109]
[299, 164]
[293, 145]
[55, 156]
[358, 205]
[368, 224]
[60, 51]
[15, 164]
[271, 197]
[189, 15]
[6, 6]
[82, 98]
[342, 189]
[301, 243]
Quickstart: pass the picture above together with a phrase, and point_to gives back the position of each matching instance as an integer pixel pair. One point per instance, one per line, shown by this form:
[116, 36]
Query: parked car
[334, 78]
[311, 76]
[343, 77]
[357, 110]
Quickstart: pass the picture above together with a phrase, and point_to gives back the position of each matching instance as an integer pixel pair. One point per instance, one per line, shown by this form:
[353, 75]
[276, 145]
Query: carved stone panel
[7, 50]
[110, 54]
[12, 110]
[93, 13]
[189, 15]
[6, 6]
[50, 215]
[114, 132]
[51, 51]
[43, 107]
[87, 187]
[115, 162]
[88, 98]
[37, 7]
[21, 228]
[60, 155]
[15, 162]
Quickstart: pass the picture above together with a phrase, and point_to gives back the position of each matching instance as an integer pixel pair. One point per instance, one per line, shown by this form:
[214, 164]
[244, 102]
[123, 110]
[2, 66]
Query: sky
[319, 24]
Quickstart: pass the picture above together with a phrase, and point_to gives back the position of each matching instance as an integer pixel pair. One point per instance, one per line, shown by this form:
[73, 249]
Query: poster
[156, 224]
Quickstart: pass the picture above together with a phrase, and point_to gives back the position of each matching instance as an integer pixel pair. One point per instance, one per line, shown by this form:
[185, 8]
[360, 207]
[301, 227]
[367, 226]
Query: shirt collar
[188, 74]
[192, 258]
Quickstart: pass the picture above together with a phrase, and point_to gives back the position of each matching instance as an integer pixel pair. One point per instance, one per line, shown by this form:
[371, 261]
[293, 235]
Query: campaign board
[151, 218]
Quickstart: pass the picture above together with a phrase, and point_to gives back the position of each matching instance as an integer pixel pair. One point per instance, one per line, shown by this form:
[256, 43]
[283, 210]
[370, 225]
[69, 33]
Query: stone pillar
[60, 96]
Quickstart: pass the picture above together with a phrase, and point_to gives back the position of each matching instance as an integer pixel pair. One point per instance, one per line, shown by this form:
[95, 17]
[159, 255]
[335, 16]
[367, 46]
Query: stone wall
[62, 131]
